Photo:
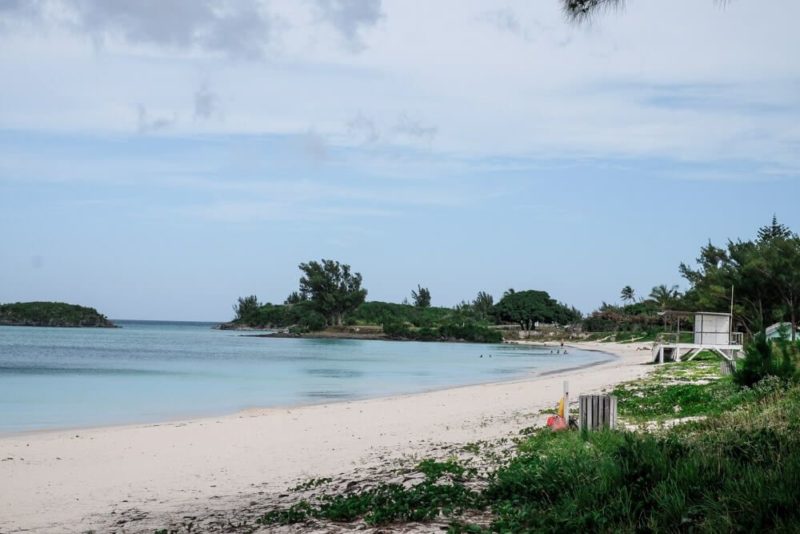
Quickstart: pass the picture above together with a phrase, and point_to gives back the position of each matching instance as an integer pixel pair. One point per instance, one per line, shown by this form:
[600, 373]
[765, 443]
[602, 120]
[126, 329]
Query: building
[712, 331]
[774, 331]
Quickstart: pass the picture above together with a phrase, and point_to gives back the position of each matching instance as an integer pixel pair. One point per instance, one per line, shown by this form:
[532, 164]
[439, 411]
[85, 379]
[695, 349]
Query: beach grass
[697, 453]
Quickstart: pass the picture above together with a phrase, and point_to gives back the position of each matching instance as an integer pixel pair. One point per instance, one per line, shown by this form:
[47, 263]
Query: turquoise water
[156, 371]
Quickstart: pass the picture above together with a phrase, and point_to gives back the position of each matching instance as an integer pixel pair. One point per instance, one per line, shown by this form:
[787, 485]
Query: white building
[712, 332]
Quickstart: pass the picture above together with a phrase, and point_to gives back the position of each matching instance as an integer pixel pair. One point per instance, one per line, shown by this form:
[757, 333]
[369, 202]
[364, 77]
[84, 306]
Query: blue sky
[159, 159]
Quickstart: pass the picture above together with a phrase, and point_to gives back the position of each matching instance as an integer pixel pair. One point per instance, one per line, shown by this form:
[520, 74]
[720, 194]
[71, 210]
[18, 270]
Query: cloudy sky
[159, 158]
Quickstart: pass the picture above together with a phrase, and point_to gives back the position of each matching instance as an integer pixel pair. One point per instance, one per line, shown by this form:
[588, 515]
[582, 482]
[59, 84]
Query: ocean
[153, 371]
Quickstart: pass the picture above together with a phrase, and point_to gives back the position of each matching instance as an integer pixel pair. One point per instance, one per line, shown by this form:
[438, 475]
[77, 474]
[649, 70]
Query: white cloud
[694, 82]
[235, 29]
[351, 17]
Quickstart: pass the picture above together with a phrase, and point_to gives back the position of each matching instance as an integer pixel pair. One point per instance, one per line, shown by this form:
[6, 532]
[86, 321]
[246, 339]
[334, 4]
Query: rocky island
[52, 314]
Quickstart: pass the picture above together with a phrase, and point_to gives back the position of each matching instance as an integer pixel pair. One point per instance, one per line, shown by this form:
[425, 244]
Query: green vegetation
[732, 465]
[246, 308]
[330, 296]
[765, 274]
[722, 474]
[421, 297]
[51, 314]
[627, 294]
[639, 317]
[526, 308]
[687, 389]
[448, 331]
[762, 277]
[441, 492]
[764, 358]
[376, 312]
[331, 288]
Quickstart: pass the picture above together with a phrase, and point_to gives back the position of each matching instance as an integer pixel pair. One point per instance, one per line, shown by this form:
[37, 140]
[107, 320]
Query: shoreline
[187, 418]
[85, 478]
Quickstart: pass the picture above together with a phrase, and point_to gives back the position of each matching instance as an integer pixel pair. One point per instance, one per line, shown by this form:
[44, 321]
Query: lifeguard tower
[712, 332]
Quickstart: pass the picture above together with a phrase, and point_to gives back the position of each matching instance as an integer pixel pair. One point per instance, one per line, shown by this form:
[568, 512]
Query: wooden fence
[597, 411]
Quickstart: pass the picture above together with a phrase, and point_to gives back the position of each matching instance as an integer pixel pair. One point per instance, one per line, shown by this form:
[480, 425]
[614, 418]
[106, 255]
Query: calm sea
[151, 371]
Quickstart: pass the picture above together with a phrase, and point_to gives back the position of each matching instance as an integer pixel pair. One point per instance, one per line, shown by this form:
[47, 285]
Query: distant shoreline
[45, 325]
[328, 335]
[371, 333]
[52, 314]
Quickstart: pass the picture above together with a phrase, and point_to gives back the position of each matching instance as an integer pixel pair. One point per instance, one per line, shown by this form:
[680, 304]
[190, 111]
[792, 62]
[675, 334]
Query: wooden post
[597, 411]
[727, 367]
[566, 401]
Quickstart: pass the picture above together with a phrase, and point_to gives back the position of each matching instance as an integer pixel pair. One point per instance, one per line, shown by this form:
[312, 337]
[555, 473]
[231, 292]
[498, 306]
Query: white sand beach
[72, 481]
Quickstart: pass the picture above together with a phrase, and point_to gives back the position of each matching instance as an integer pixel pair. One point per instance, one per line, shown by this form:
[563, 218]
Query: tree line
[331, 294]
[758, 278]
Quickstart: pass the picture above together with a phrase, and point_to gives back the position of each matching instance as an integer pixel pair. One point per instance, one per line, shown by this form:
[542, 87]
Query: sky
[160, 158]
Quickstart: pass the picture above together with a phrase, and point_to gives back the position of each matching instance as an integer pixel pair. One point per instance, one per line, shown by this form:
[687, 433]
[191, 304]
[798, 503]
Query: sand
[72, 481]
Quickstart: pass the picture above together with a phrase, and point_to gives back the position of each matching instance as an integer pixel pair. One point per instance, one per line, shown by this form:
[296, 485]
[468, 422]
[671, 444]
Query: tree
[483, 304]
[664, 296]
[246, 307]
[765, 274]
[782, 267]
[421, 297]
[295, 298]
[774, 231]
[331, 288]
[526, 308]
[463, 312]
[627, 294]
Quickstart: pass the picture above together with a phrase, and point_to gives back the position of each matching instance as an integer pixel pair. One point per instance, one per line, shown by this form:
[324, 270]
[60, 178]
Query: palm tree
[627, 294]
[664, 296]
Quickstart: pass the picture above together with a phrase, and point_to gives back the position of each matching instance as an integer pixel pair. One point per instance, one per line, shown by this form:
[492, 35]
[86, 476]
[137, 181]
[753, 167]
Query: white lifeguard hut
[712, 332]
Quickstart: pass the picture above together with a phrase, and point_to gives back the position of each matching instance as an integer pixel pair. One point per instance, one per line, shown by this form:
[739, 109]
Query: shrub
[738, 471]
[470, 331]
[764, 358]
[313, 321]
[396, 329]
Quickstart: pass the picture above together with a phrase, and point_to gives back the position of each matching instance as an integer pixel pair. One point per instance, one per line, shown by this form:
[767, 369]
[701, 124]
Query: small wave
[328, 395]
[505, 371]
[335, 373]
[54, 370]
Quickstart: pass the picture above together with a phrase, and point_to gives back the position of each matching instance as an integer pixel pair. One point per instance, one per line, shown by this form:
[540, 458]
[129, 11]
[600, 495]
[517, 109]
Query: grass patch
[738, 469]
[737, 477]
[442, 492]
[684, 389]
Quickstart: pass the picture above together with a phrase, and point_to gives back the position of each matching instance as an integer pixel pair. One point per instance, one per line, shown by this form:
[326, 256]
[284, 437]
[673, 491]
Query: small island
[58, 314]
